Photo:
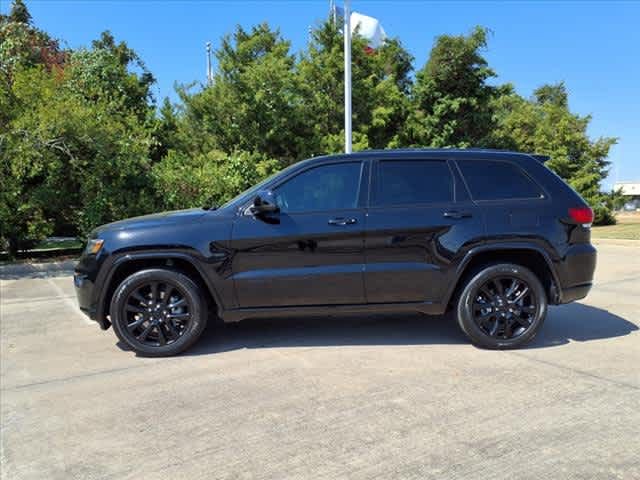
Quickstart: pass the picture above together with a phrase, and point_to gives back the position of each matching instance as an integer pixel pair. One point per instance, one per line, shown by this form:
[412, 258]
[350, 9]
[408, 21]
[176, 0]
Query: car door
[311, 251]
[419, 222]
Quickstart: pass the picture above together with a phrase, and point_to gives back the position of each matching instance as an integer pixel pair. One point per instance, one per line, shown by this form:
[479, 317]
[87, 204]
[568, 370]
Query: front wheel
[502, 306]
[158, 312]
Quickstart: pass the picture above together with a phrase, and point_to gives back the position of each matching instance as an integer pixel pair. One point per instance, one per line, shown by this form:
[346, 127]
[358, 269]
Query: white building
[631, 194]
[629, 189]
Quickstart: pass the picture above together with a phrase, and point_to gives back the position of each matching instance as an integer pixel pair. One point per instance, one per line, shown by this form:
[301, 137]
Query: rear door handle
[456, 214]
[341, 222]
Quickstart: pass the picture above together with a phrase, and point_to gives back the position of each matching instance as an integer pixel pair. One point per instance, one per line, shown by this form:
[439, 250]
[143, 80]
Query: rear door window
[413, 182]
[497, 180]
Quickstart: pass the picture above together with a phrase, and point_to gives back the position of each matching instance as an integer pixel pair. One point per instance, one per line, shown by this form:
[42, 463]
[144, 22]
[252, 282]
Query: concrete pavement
[347, 397]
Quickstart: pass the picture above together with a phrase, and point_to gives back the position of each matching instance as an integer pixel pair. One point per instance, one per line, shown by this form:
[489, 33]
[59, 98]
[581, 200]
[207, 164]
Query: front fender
[113, 264]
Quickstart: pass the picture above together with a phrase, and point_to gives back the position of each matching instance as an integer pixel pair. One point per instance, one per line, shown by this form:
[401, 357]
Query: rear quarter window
[498, 180]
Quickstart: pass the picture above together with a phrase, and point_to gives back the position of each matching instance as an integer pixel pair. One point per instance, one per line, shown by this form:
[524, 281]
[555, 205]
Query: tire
[489, 311]
[158, 312]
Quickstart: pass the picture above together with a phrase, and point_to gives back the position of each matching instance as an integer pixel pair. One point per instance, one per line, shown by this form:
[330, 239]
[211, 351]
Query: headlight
[93, 246]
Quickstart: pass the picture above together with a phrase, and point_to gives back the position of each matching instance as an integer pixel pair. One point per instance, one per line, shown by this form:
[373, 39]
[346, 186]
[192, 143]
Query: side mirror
[264, 202]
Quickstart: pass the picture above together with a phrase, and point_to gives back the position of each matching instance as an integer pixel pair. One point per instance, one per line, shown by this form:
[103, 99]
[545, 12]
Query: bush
[208, 179]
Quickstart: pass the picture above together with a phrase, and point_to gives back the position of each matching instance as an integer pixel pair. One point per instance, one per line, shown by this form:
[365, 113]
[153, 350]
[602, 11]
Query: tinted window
[413, 182]
[489, 180]
[329, 187]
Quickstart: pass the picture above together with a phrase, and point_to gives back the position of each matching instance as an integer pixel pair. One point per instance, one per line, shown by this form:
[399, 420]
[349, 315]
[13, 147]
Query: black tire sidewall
[188, 287]
[464, 308]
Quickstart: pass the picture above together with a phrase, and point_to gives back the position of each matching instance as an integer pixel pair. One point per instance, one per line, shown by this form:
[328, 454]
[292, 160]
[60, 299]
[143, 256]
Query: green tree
[74, 143]
[252, 103]
[19, 12]
[451, 99]
[208, 179]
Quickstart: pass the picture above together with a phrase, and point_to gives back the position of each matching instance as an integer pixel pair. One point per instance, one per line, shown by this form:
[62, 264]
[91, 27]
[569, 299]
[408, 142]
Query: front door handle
[341, 222]
[456, 214]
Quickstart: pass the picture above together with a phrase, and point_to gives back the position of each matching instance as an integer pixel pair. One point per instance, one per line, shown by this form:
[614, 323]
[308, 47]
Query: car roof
[407, 153]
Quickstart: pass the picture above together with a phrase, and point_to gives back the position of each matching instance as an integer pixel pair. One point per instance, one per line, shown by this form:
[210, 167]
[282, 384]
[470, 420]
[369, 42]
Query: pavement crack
[71, 378]
[576, 370]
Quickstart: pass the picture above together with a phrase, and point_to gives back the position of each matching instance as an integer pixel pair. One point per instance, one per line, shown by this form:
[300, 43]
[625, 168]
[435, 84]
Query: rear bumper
[575, 293]
[575, 272]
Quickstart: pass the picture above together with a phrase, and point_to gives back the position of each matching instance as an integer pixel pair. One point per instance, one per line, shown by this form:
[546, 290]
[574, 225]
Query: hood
[176, 217]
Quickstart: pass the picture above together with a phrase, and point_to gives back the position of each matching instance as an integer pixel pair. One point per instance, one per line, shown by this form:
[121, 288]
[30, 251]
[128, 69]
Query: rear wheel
[502, 306]
[158, 312]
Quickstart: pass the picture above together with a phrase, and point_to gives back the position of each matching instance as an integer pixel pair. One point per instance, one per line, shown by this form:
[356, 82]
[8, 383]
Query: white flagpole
[209, 76]
[347, 77]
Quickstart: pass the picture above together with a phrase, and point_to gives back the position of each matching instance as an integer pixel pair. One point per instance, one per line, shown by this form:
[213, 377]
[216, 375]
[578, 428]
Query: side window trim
[375, 182]
[463, 181]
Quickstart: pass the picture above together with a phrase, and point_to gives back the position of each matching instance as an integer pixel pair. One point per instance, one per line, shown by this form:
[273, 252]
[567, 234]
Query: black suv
[494, 236]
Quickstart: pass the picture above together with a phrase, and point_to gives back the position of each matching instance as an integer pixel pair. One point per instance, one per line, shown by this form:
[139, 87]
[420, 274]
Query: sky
[594, 47]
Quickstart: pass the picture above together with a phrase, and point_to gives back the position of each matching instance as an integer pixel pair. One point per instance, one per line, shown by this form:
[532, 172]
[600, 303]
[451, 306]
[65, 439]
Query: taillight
[582, 215]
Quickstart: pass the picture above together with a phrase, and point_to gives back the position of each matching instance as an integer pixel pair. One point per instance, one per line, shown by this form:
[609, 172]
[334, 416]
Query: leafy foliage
[208, 179]
[75, 145]
[451, 99]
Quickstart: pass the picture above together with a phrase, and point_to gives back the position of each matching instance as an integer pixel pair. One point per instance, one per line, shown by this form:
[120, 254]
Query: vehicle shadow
[575, 322]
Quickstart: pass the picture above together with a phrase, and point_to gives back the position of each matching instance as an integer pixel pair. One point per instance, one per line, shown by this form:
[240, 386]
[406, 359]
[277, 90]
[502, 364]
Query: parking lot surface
[345, 397]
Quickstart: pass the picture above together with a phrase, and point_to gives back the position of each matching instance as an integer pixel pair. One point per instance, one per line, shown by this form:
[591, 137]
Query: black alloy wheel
[158, 312]
[501, 306]
[504, 307]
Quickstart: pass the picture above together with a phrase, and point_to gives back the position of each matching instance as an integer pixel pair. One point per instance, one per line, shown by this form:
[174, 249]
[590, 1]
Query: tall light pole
[347, 77]
[209, 75]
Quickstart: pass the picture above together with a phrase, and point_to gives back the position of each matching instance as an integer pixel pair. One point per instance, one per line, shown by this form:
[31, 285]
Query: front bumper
[85, 287]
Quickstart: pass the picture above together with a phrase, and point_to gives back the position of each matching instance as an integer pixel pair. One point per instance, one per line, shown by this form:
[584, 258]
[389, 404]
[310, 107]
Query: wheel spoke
[493, 331]
[154, 292]
[145, 333]
[134, 309]
[173, 331]
[508, 330]
[485, 291]
[522, 321]
[139, 298]
[499, 287]
[136, 324]
[167, 295]
[521, 295]
[162, 340]
[512, 288]
[485, 317]
[179, 303]
[185, 315]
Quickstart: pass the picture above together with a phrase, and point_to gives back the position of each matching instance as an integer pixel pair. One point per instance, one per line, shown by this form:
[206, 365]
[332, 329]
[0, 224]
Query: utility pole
[347, 77]
[209, 73]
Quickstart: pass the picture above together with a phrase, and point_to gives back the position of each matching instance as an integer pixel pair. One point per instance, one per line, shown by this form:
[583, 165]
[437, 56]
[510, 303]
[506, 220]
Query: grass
[50, 248]
[58, 244]
[627, 228]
